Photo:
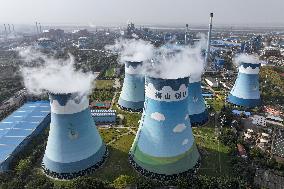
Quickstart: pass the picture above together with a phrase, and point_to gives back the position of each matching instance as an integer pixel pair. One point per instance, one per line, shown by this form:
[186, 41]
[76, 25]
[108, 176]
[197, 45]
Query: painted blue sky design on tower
[132, 94]
[74, 144]
[245, 92]
[164, 143]
[196, 106]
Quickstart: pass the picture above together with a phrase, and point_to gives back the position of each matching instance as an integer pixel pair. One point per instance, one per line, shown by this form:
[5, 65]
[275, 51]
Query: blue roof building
[164, 144]
[18, 128]
[74, 147]
[104, 116]
[245, 92]
[132, 94]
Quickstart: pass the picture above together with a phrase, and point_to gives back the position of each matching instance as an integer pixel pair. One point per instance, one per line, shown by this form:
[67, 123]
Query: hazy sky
[99, 12]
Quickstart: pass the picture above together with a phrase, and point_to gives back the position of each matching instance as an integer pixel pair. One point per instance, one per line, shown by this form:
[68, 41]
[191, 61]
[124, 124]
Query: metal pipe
[209, 39]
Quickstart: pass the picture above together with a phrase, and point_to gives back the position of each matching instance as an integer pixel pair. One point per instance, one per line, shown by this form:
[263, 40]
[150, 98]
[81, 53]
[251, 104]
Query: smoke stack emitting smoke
[168, 63]
[54, 75]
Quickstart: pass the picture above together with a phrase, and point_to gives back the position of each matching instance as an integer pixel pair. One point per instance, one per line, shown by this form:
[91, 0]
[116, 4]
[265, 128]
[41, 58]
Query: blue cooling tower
[74, 147]
[132, 94]
[164, 145]
[246, 89]
[196, 106]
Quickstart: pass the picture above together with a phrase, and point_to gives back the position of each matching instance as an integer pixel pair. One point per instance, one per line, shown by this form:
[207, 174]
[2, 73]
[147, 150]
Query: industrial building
[74, 147]
[104, 116]
[245, 91]
[17, 129]
[164, 145]
[132, 94]
[196, 106]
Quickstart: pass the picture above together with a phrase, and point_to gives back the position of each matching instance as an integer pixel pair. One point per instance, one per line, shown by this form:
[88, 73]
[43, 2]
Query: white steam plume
[54, 75]
[246, 58]
[132, 50]
[178, 62]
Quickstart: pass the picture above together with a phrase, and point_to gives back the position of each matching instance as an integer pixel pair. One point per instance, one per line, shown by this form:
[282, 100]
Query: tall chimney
[5, 30]
[36, 28]
[9, 28]
[40, 30]
[13, 28]
[209, 39]
[185, 35]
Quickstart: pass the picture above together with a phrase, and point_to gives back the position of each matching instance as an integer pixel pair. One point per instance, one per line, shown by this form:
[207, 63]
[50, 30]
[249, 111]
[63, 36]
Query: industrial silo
[245, 92]
[132, 94]
[198, 113]
[74, 147]
[164, 145]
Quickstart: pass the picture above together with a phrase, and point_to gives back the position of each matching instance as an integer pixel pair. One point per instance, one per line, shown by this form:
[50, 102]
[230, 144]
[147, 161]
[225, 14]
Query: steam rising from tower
[164, 145]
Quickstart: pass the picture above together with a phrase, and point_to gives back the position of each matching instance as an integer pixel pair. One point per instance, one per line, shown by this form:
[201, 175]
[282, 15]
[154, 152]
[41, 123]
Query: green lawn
[215, 157]
[104, 84]
[110, 72]
[117, 163]
[109, 134]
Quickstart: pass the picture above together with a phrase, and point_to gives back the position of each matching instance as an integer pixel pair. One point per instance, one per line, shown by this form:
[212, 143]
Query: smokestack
[36, 28]
[9, 28]
[132, 94]
[40, 30]
[5, 30]
[209, 39]
[164, 145]
[185, 35]
[198, 113]
[74, 146]
[245, 92]
[13, 28]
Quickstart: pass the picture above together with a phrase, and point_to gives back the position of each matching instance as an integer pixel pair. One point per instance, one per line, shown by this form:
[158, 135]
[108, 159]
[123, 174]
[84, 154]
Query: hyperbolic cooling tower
[132, 94]
[164, 145]
[246, 89]
[74, 147]
[196, 106]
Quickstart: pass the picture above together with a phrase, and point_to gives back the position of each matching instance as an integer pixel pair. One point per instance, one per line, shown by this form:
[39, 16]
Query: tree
[90, 183]
[24, 166]
[39, 182]
[123, 180]
[228, 137]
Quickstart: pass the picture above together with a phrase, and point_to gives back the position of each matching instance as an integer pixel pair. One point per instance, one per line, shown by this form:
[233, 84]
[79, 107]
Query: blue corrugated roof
[20, 124]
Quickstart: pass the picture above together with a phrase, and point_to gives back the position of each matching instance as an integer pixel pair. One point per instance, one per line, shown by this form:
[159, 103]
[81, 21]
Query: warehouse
[18, 128]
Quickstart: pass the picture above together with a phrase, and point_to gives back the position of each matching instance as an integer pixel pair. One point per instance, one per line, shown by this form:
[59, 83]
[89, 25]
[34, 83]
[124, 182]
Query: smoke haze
[132, 50]
[53, 75]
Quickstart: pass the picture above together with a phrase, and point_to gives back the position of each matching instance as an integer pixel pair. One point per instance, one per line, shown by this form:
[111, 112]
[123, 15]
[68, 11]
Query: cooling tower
[74, 147]
[196, 106]
[164, 145]
[245, 92]
[132, 94]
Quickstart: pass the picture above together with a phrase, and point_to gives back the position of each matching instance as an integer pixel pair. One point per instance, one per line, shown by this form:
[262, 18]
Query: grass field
[215, 156]
[104, 84]
[110, 72]
[117, 163]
